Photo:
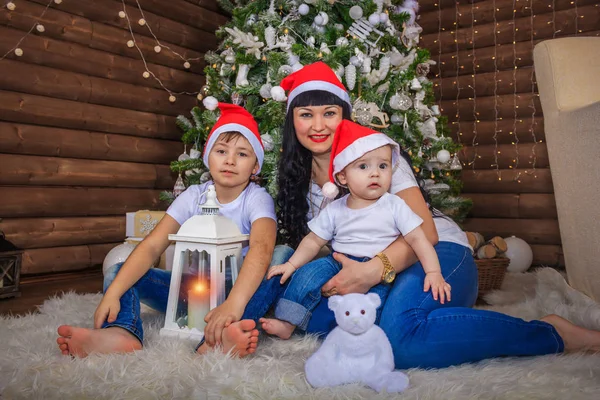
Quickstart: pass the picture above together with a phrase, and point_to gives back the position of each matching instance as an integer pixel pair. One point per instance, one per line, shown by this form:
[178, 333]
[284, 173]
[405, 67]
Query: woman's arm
[262, 242]
[357, 277]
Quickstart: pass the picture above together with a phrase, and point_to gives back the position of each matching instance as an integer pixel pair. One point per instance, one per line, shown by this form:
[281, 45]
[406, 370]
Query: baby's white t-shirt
[253, 203]
[364, 232]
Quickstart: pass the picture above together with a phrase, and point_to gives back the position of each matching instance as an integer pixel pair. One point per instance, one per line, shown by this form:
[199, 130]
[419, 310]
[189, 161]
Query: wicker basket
[491, 273]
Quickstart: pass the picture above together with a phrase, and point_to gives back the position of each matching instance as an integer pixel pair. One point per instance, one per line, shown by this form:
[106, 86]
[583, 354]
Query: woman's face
[316, 125]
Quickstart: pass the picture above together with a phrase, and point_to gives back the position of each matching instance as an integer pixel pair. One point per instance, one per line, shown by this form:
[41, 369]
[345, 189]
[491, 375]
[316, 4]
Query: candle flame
[199, 287]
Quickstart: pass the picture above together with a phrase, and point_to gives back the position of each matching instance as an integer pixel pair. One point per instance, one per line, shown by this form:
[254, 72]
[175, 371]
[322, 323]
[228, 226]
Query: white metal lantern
[206, 246]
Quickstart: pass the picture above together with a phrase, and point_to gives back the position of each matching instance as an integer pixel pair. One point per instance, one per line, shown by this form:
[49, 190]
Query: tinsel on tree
[372, 45]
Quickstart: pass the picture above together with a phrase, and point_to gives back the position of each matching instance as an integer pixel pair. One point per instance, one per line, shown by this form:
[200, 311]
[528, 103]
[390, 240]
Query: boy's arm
[137, 264]
[260, 250]
[307, 250]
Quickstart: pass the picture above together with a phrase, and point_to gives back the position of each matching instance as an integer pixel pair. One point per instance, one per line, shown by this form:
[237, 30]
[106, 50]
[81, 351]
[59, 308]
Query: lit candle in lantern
[198, 305]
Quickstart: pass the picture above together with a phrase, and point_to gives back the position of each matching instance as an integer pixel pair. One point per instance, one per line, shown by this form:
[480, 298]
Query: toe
[254, 339]
[251, 351]
[254, 332]
[247, 324]
[65, 330]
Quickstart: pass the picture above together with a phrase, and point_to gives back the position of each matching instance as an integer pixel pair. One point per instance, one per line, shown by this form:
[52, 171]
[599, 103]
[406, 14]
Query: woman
[423, 332]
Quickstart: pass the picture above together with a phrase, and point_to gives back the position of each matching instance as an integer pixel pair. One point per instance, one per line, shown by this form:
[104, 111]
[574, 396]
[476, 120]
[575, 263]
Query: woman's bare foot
[239, 337]
[277, 327]
[80, 342]
[575, 338]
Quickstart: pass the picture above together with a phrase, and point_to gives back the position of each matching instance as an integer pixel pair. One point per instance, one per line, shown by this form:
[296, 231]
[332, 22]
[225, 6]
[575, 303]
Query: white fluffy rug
[32, 367]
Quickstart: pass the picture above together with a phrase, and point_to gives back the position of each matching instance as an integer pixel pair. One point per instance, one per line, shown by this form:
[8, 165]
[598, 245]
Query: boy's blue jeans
[427, 334]
[152, 289]
[303, 292]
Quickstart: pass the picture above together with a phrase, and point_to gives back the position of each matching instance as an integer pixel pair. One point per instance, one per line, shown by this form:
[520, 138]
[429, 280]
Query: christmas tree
[372, 45]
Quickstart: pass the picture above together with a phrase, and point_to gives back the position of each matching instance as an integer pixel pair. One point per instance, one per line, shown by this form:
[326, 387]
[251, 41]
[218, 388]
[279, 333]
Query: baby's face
[370, 176]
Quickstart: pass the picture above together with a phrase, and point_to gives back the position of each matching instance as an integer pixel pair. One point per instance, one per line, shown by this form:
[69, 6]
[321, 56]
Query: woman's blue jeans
[427, 334]
[152, 289]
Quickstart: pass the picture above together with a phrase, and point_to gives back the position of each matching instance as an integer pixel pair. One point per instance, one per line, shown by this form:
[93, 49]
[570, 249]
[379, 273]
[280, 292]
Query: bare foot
[277, 327]
[575, 338]
[80, 342]
[240, 338]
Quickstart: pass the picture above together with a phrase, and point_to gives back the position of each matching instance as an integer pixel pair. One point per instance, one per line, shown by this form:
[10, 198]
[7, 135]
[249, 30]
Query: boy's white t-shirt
[364, 232]
[253, 203]
[402, 178]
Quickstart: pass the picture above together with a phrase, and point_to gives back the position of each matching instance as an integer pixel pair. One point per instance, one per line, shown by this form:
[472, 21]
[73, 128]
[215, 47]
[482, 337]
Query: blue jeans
[427, 334]
[303, 293]
[152, 289]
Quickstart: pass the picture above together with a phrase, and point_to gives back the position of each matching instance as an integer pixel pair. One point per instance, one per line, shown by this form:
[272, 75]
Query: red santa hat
[233, 119]
[351, 142]
[315, 76]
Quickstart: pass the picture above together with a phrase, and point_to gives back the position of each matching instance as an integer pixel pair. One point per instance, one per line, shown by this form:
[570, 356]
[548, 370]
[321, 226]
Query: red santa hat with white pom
[233, 119]
[351, 142]
[315, 76]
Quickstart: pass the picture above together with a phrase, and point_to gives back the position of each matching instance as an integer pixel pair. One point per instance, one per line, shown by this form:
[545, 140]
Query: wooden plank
[493, 107]
[511, 205]
[508, 131]
[544, 26]
[61, 259]
[483, 13]
[166, 30]
[19, 107]
[56, 142]
[506, 156]
[55, 83]
[71, 28]
[507, 181]
[486, 84]
[533, 231]
[29, 233]
[206, 4]
[54, 171]
[548, 255]
[27, 202]
[42, 50]
[426, 6]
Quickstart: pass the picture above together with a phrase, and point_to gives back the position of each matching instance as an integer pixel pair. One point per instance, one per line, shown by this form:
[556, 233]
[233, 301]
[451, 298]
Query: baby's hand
[435, 281]
[286, 269]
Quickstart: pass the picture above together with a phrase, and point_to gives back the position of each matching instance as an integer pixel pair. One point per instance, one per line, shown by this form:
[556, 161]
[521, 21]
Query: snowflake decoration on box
[148, 224]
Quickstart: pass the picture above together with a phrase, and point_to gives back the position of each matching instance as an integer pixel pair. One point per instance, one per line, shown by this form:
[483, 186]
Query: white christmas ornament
[205, 177]
[455, 165]
[210, 103]
[436, 110]
[251, 19]
[267, 141]
[415, 84]
[356, 12]
[278, 94]
[350, 73]
[195, 153]
[11, 6]
[396, 119]
[383, 18]
[443, 156]
[265, 91]
[374, 19]
[341, 41]
[339, 27]
[355, 61]
[310, 41]
[400, 101]
[247, 40]
[519, 253]
[285, 69]
[117, 255]
[270, 35]
[303, 9]
[237, 99]
[242, 76]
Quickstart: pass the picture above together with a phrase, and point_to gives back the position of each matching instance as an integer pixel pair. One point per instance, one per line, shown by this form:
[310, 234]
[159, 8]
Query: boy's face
[232, 163]
[370, 176]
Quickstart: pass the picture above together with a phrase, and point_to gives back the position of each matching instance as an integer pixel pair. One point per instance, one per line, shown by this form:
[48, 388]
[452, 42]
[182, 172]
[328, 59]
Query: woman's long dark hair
[295, 167]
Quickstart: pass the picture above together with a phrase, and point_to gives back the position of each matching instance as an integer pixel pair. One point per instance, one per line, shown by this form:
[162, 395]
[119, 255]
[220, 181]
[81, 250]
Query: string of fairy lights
[533, 155]
[514, 132]
[495, 58]
[473, 76]
[458, 67]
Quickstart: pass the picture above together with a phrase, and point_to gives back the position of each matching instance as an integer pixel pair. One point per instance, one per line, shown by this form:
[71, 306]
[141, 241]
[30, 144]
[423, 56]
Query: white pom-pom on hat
[210, 103]
[330, 190]
[278, 94]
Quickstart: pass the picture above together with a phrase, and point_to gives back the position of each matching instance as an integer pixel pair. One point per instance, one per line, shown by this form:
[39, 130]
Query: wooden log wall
[485, 84]
[84, 137]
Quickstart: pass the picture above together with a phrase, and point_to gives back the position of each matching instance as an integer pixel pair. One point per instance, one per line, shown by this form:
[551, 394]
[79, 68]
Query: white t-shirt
[364, 232]
[253, 203]
[402, 178]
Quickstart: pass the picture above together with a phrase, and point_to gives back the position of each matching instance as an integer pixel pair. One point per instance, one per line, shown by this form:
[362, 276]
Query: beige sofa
[568, 77]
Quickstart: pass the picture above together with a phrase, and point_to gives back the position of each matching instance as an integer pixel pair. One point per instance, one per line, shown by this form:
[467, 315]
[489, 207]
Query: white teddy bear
[357, 350]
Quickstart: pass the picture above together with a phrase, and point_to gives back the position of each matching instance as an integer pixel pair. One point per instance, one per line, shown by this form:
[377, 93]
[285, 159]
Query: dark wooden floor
[34, 290]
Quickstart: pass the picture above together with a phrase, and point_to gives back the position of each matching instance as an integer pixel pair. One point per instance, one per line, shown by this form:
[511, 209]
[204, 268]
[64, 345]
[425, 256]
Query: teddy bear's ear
[374, 299]
[334, 302]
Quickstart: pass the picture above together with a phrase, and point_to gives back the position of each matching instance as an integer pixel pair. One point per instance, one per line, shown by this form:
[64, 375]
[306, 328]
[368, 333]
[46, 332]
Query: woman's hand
[107, 310]
[220, 318]
[355, 276]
